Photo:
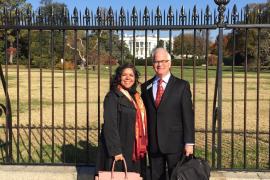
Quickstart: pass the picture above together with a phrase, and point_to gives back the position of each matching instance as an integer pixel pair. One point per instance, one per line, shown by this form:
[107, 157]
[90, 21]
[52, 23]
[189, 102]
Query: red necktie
[160, 91]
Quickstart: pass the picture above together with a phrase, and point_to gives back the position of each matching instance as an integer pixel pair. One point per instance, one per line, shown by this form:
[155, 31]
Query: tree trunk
[11, 58]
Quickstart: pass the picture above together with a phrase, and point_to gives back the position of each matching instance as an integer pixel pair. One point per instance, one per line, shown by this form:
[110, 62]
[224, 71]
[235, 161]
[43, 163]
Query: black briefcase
[191, 168]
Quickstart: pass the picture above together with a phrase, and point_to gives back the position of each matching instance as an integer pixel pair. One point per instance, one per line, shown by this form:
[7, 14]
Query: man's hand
[118, 157]
[188, 149]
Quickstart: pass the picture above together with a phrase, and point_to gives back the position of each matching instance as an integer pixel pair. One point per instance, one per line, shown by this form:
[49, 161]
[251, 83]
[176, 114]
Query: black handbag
[191, 168]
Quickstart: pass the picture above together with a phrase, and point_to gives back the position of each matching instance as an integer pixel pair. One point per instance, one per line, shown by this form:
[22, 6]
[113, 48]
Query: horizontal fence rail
[57, 70]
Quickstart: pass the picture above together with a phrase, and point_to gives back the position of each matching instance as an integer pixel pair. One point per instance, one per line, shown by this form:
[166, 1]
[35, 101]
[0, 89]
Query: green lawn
[64, 113]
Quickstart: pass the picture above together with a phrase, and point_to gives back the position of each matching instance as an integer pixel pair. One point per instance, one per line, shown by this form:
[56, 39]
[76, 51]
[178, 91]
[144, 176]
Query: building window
[141, 52]
[137, 51]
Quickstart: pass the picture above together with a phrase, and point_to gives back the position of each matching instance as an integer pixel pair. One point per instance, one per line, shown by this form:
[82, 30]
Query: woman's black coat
[118, 132]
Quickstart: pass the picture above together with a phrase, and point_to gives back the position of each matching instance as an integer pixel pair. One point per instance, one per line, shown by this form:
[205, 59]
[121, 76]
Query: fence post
[7, 110]
[218, 91]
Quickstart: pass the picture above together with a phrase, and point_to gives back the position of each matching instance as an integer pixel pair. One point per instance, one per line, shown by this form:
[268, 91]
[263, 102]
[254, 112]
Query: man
[170, 116]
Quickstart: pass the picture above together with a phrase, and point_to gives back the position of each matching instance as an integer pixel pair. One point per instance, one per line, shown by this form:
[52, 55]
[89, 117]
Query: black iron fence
[57, 67]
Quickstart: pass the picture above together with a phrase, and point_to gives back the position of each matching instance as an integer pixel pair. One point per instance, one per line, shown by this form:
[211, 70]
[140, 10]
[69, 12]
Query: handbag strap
[125, 166]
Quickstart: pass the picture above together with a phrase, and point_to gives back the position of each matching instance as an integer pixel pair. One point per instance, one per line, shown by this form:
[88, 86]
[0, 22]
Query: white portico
[140, 44]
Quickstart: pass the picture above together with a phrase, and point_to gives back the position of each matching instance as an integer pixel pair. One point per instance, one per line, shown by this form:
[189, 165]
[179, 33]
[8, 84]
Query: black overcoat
[118, 133]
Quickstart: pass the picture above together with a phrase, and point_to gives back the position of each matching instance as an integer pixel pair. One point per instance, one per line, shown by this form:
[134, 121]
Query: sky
[140, 4]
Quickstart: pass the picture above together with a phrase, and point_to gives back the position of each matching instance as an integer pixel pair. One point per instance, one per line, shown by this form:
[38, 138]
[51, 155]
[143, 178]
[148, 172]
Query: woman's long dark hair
[116, 79]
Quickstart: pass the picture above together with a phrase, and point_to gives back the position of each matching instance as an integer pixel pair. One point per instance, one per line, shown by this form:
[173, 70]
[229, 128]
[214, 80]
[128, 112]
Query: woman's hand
[118, 157]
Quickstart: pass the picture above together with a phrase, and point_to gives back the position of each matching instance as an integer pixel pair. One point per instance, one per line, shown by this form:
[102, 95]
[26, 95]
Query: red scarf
[141, 140]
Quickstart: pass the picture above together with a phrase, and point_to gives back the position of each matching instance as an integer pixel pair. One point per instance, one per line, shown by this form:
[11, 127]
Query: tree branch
[81, 56]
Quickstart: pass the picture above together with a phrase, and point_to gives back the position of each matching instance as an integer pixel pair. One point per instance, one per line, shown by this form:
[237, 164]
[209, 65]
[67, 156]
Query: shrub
[188, 62]
[228, 61]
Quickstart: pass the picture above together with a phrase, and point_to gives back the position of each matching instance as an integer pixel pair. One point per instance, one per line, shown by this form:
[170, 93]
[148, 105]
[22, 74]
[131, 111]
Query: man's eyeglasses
[160, 62]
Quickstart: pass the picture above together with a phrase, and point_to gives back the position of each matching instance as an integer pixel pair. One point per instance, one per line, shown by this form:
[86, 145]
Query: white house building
[140, 44]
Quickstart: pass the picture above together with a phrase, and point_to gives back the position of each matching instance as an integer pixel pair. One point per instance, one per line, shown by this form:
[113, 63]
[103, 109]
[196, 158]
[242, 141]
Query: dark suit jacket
[171, 125]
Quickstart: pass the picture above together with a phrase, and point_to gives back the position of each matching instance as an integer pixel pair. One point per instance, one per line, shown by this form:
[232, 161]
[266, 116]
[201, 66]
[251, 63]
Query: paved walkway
[86, 173]
[229, 175]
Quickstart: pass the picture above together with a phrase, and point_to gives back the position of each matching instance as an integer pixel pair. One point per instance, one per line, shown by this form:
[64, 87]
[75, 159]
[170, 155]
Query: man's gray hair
[160, 49]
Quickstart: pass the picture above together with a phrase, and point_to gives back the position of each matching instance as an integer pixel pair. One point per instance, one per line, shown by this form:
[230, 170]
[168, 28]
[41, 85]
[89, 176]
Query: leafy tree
[264, 9]
[42, 40]
[214, 46]
[105, 47]
[188, 44]
[252, 38]
[241, 40]
[9, 8]
[49, 7]
[264, 48]
[160, 43]
[11, 5]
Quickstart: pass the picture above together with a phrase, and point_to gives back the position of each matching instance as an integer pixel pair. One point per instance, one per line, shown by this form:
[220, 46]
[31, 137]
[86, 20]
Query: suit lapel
[149, 90]
[167, 90]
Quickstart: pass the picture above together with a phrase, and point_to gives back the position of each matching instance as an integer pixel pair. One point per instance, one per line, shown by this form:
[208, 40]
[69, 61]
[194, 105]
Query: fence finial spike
[5, 10]
[158, 15]
[234, 14]
[75, 12]
[52, 10]
[98, 11]
[110, 12]
[87, 16]
[194, 14]
[194, 11]
[234, 11]
[208, 10]
[87, 12]
[122, 11]
[146, 12]
[134, 15]
[170, 12]
[134, 11]
[75, 16]
[122, 14]
[158, 12]
[259, 9]
[247, 9]
[182, 11]
[259, 14]
[39, 11]
[207, 14]
[28, 11]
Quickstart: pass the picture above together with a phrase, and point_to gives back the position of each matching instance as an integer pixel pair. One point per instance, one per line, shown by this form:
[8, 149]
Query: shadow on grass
[83, 153]
[2, 151]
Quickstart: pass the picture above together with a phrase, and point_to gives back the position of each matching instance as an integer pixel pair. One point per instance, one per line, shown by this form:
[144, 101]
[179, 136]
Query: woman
[124, 133]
